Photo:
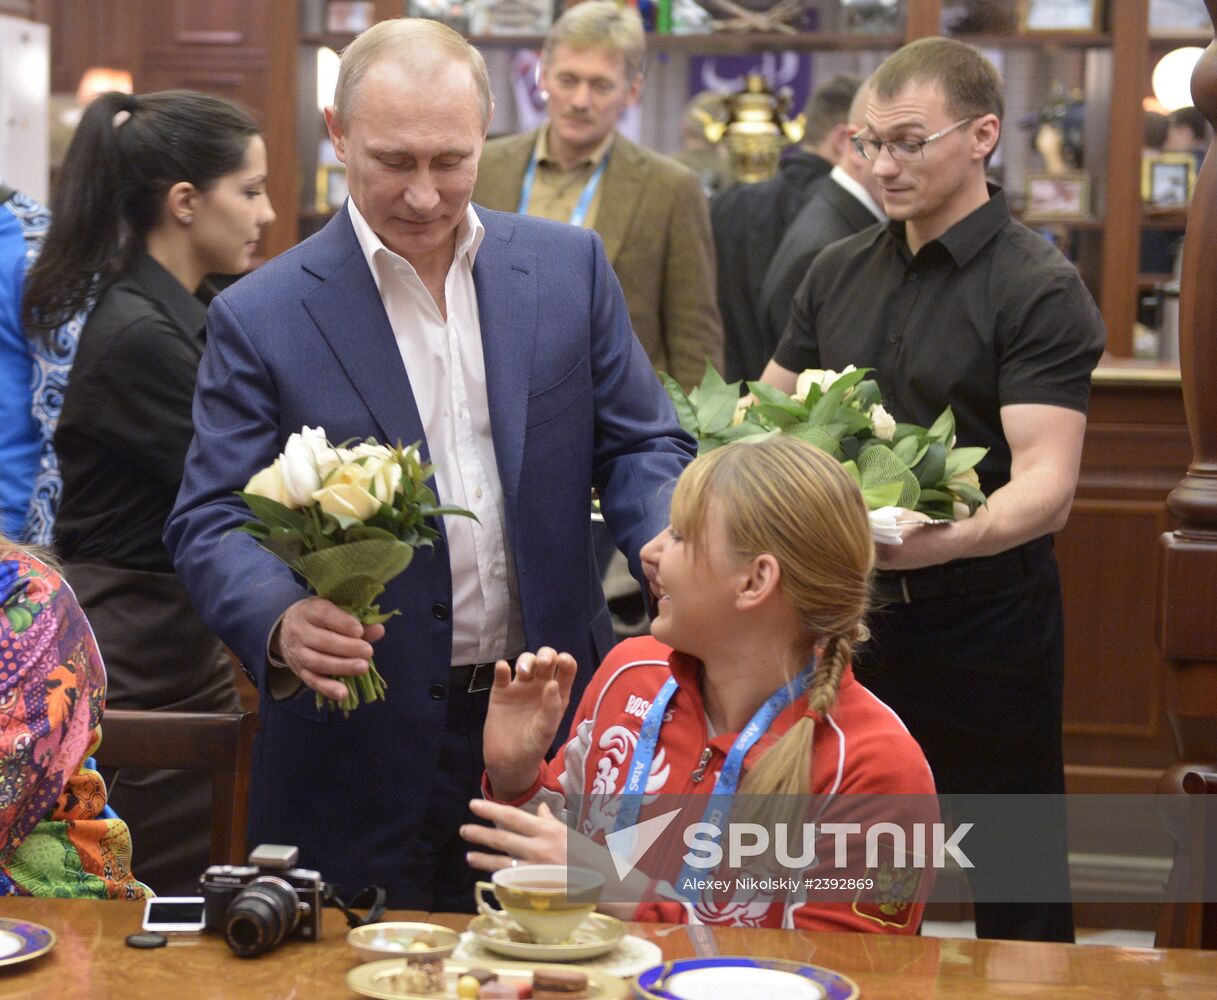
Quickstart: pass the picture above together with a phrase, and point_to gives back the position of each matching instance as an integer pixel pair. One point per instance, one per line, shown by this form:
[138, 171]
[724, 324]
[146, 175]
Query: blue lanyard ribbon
[579, 215]
[718, 809]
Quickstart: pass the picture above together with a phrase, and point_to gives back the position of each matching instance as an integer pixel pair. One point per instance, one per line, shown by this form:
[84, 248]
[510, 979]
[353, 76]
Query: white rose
[269, 483]
[823, 377]
[367, 449]
[806, 379]
[384, 477]
[348, 500]
[883, 423]
[304, 456]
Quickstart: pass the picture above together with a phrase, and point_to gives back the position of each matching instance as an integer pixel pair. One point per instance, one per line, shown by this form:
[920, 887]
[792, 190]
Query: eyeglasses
[903, 150]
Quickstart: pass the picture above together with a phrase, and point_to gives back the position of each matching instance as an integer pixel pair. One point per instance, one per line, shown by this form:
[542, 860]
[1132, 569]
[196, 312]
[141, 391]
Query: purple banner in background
[725, 74]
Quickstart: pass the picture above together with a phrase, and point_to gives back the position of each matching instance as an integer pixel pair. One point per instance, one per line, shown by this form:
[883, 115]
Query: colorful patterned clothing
[33, 379]
[57, 836]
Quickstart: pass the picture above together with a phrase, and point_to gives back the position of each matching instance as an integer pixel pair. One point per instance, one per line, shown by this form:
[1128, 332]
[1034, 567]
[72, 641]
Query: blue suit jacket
[574, 404]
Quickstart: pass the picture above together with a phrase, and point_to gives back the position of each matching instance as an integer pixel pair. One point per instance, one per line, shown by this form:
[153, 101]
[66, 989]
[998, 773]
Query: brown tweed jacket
[655, 225]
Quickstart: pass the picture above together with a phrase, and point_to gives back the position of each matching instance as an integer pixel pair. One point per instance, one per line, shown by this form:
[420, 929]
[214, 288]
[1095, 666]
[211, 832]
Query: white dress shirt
[447, 372]
[839, 175]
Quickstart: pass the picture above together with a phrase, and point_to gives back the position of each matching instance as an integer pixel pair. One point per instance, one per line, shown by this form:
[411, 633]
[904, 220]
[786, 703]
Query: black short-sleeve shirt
[986, 315]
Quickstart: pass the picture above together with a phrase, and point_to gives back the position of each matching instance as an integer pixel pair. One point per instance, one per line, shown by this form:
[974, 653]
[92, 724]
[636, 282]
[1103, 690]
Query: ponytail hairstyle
[794, 501]
[128, 151]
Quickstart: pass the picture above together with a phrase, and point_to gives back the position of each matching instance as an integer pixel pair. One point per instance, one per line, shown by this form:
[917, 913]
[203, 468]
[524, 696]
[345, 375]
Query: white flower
[269, 483]
[347, 500]
[823, 377]
[883, 423]
[307, 458]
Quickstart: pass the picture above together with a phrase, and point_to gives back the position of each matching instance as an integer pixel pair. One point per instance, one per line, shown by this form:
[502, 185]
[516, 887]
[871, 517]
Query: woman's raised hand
[523, 718]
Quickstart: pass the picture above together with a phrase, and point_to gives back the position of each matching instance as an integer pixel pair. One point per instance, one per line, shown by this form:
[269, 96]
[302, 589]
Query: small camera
[259, 905]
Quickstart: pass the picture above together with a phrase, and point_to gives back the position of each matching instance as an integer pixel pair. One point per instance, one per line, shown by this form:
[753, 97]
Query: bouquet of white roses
[896, 465]
[347, 520]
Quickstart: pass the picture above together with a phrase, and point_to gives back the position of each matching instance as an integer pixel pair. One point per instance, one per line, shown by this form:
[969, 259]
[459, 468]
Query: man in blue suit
[504, 345]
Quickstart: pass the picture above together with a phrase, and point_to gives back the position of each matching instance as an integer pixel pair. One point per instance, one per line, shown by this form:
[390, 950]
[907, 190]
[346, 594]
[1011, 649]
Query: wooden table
[91, 961]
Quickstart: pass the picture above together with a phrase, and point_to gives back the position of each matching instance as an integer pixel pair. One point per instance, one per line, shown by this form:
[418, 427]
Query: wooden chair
[1189, 915]
[192, 741]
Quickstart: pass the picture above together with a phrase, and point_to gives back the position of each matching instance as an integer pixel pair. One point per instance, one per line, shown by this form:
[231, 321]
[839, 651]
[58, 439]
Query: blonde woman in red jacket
[762, 582]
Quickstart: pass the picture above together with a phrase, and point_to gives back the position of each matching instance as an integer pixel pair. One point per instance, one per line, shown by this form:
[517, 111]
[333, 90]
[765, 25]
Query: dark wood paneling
[245, 52]
[27, 9]
[94, 33]
[1136, 448]
[1108, 551]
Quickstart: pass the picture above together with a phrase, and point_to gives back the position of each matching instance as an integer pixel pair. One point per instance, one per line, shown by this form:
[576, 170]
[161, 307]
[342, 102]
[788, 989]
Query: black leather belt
[967, 576]
[473, 678]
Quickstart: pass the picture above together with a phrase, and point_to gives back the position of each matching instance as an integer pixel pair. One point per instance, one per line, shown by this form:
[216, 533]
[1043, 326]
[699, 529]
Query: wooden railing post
[1187, 619]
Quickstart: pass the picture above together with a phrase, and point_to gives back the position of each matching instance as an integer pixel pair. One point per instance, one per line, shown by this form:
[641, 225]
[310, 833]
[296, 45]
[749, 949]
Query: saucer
[380, 980]
[597, 935]
[21, 940]
[742, 979]
[383, 940]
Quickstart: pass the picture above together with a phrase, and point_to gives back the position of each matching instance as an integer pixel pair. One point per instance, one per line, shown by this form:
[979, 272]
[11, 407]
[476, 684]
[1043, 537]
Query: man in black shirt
[955, 303]
[749, 219]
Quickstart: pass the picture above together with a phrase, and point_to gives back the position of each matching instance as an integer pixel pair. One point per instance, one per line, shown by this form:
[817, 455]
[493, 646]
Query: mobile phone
[174, 914]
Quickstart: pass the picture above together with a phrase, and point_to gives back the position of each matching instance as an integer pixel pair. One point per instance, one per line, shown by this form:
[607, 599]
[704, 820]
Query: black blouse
[126, 421]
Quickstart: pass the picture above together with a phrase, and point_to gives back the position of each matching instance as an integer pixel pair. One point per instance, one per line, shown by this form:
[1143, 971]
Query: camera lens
[261, 916]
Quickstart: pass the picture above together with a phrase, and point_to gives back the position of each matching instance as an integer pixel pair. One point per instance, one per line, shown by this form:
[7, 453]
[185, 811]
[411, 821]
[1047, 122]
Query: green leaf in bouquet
[880, 466]
[715, 402]
[943, 429]
[960, 460]
[446, 511]
[906, 449]
[968, 493]
[272, 513]
[255, 528]
[847, 420]
[286, 544]
[827, 405]
[908, 430]
[929, 469]
[355, 592]
[766, 393]
[865, 395]
[775, 405]
[685, 413]
[885, 495]
[363, 531]
[817, 436]
[935, 495]
[378, 559]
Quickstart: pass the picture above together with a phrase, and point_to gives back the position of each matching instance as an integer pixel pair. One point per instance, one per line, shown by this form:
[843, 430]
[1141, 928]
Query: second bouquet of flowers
[347, 519]
[896, 465]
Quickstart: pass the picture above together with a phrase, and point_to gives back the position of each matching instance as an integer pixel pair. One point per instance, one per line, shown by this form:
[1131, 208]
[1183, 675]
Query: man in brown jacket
[649, 210]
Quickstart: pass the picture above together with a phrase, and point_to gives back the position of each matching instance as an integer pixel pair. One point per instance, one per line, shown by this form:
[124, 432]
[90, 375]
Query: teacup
[548, 901]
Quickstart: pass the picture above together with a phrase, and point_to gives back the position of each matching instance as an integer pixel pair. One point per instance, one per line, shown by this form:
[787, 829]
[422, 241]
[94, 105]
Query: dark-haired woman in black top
[157, 192]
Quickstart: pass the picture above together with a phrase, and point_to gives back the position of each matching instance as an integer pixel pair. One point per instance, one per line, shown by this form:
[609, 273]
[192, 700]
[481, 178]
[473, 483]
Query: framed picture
[1178, 17]
[1167, 179]
[1056, 196]
[1058, 15]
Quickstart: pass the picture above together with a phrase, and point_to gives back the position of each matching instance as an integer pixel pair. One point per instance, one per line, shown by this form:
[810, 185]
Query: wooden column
[1187, 625]
[1122, 224]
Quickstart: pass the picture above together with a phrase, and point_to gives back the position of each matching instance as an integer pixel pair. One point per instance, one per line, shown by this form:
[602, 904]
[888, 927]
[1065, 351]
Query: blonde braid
[786, 767]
